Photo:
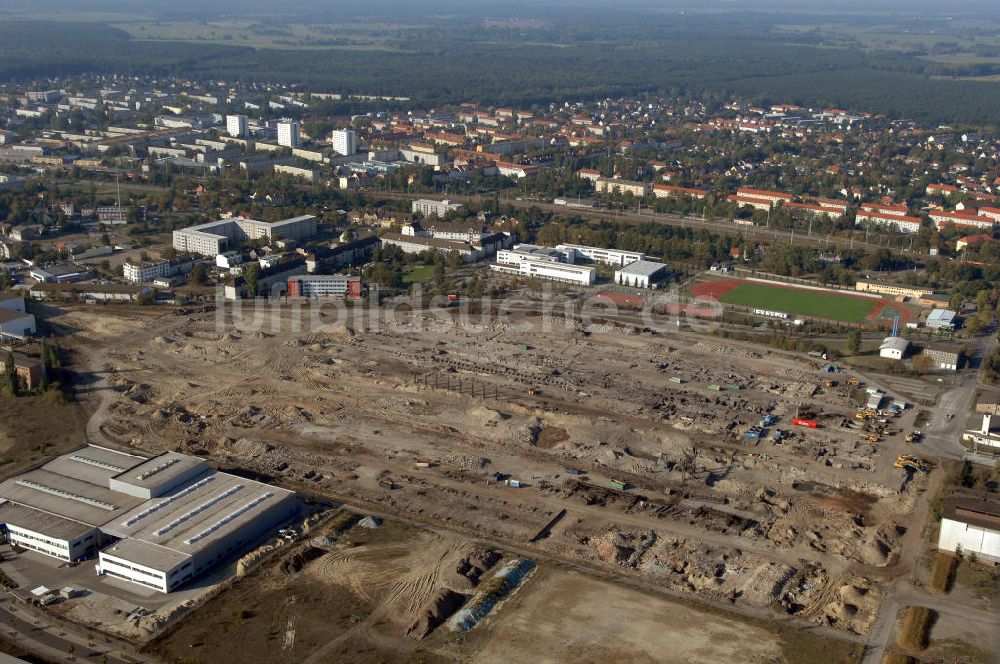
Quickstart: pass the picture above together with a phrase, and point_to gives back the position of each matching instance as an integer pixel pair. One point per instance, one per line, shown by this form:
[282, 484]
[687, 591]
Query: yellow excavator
[914, 463]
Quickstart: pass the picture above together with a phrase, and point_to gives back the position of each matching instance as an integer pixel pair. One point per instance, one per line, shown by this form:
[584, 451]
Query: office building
[344, 141]
[326, 286]
[543, 263]
[602, 255]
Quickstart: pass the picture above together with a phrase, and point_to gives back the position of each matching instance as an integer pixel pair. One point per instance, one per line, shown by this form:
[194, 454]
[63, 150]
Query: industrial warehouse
[158, 522]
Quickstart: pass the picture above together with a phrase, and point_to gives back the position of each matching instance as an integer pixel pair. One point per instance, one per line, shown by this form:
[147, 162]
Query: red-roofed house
[943, 218]
[666, 190]
[970, 240]
[903, 223]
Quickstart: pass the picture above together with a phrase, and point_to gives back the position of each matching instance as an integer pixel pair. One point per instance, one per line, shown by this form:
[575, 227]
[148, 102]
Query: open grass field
[818, 304]
[418, 274]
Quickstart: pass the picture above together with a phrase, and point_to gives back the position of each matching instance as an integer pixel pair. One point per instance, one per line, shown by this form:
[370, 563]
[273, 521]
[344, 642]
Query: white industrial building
[289, 134]
[893, 348]
[970, 525]
[984, 436]
[344, 141]
[157, 522]
[641, 274]
[941, 319]
[15, 323]
[12, 302]
[214, 238]
[601, 255]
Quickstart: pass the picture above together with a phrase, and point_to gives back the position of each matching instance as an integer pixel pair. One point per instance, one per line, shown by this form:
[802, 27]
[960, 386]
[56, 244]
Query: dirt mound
[876, 546]
[549, 437]
[441, 606]
[484, 414]
[612, 548]
[295, 562]
[855, 606]
[766, 584]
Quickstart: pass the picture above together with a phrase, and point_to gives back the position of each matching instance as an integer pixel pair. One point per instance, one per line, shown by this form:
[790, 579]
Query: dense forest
[460, 59]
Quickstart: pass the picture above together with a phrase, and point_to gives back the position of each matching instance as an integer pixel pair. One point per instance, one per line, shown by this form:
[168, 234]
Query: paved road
[949, 417]
[46, 638]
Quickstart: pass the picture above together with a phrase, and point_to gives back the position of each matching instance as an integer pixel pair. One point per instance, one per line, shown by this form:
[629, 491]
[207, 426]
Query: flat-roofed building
[344, 141]
[429, 207]
[326, 286]
[970, 524]
[941, 319]
[140, 272]
[58, 507]
[289, 134]
[616, 257]
[29, 370]
[154, 521]
[564, 272]
[12, 302]
[945, 357]
[641, 274]
[543, 263]
[16, 324]
[414, 244]
[215, 237]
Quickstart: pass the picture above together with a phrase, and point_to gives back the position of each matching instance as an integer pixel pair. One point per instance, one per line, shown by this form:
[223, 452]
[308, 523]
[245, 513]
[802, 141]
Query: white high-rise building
[344, 141]
[288, 134]
[238, 126]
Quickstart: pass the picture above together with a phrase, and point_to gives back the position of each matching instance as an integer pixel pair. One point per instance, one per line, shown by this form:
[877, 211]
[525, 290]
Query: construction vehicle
[854, 382]
[870, 437]
[914, 437]
[914, 463]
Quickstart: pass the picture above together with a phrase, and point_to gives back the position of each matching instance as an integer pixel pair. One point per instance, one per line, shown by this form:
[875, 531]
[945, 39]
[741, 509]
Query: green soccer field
[802, 302]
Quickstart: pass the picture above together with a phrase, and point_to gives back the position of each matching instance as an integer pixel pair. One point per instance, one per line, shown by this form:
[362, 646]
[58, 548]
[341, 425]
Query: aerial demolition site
[744, 477]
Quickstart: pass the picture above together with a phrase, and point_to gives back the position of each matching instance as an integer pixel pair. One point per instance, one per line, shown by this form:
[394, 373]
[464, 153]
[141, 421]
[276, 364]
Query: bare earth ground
[599, 621]
[424, 422]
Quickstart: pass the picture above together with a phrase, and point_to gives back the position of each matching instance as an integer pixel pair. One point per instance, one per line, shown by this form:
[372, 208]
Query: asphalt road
[49, 640]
